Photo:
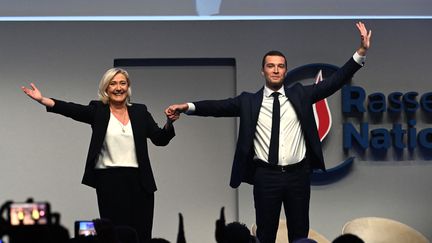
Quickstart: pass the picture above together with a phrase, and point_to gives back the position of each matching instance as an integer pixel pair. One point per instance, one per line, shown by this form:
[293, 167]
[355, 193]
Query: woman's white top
[118, 149]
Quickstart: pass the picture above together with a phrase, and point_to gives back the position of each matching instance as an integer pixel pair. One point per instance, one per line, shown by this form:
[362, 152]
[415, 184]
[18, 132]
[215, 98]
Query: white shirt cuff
[191, 109]
[359, 59]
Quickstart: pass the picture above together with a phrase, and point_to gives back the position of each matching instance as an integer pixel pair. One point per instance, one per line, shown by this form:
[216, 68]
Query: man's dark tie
[274, 139]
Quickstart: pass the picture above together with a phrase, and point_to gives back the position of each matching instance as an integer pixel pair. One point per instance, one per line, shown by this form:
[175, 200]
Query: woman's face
[117, 89]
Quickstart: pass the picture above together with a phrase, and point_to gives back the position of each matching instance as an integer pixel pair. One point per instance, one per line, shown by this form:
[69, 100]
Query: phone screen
[28, 213]
[84, 228]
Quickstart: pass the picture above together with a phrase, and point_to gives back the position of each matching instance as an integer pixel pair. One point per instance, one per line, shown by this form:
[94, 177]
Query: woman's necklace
[122, 120]
[123, 127]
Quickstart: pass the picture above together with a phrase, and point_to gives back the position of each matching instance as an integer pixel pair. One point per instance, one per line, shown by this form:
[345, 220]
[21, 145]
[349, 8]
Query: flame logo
[322, 113]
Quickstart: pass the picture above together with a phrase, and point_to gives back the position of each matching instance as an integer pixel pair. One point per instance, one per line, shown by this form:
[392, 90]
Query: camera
[84, 228]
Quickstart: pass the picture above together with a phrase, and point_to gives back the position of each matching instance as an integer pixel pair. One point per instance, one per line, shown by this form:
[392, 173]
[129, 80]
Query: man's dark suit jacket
[97, 115]
[247, 107]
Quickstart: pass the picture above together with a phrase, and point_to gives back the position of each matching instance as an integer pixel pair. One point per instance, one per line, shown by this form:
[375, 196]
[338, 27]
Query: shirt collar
[268, 91]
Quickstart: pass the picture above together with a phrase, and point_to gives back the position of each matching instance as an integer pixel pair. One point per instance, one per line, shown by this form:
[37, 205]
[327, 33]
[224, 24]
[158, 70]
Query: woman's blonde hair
[106, 79]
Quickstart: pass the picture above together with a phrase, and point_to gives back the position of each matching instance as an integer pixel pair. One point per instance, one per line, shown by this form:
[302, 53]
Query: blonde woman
[117, 164]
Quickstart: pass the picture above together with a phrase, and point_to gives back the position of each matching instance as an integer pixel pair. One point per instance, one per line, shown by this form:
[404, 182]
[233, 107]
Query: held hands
[365, 36]
[173, 111]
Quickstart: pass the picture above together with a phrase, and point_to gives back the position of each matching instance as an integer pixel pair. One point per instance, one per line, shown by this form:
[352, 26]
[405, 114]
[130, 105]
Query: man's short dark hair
[348, 238]
[236, 232]
[273, 53]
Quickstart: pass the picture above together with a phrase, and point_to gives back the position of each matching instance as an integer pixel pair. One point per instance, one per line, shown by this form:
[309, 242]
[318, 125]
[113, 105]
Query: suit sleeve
[335, 82]
[78, 112]
[218, 108]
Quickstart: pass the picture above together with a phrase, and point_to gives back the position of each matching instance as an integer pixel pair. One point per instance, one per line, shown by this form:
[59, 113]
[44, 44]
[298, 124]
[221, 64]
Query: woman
[117, 165]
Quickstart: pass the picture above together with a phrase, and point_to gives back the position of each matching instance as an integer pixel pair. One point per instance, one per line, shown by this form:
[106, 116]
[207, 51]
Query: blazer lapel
[99, 130]
[102, 119]
[257, 99]
[295, 102]
[133, 117]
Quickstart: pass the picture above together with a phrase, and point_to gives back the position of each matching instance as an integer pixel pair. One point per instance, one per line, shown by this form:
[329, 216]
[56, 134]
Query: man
[277, 155]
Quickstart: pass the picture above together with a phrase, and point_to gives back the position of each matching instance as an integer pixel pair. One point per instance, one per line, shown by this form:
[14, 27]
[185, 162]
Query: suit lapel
[256, 105]
[295, 102]
[133, 120]
[99, 129]
[103, 119]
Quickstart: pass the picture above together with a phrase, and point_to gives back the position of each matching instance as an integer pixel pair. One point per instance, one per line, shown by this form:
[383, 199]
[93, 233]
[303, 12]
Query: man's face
[274, 71]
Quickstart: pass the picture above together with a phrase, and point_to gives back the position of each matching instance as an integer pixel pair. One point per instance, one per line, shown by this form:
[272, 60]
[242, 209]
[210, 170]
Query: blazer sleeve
[230, 107]
[158, 136]
[335, 82]
[78, 112]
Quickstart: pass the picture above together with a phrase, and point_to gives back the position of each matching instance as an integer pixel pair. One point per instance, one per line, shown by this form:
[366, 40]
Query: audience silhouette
[181, 235]
[158, 240]
[348, 238]
[305, 240]
[48, 232]
[234, 232]
[107, 232]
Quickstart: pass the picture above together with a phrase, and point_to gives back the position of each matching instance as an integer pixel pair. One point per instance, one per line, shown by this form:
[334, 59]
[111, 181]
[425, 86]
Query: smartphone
[84, 228]
[29, 213]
